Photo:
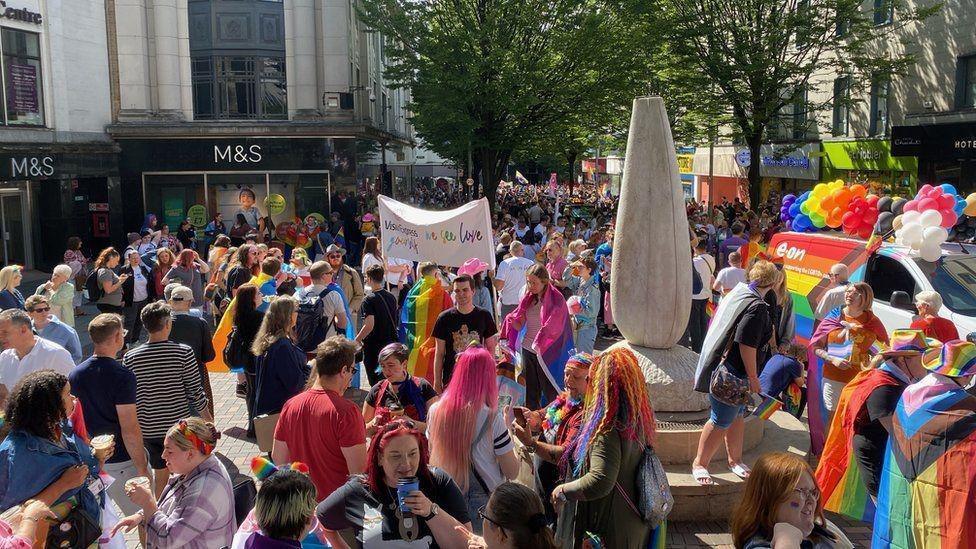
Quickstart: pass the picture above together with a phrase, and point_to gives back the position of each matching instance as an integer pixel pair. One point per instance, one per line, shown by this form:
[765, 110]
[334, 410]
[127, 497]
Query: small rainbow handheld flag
[768, 407]
[793, 400]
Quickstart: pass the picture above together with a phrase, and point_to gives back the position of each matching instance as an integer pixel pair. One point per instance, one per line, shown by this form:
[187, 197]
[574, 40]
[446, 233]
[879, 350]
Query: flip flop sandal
[702, 476]
[740, 470]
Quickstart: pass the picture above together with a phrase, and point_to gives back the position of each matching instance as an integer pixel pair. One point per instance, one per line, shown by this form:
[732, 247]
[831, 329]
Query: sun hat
[335, 248]
[909, 342]
[368, 217]
[957, 359]
[472, 267]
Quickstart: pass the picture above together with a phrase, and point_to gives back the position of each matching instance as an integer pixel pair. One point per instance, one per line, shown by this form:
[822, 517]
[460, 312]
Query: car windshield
[954, 278]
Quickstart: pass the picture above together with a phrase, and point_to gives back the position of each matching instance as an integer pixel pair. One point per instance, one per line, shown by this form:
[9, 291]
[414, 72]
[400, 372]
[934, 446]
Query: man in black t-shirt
[379, 321]
[458, 328]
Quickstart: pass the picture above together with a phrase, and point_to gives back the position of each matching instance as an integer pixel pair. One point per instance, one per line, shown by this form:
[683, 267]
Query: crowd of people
[497, 426]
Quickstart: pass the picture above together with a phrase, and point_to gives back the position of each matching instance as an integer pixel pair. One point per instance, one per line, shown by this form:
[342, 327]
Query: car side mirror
[901, 300]
[971, 337]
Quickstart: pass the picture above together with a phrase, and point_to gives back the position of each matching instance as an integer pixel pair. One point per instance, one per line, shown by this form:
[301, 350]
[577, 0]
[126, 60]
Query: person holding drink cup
[401, 495]
[196, 508]
[398, 394]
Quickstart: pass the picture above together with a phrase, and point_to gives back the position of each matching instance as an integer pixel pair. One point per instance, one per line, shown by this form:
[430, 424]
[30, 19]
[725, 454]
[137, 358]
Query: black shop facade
[946, 152]
[198, 177]
[50, 192]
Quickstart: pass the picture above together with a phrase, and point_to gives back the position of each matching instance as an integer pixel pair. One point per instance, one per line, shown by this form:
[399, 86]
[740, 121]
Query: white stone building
[210, 97]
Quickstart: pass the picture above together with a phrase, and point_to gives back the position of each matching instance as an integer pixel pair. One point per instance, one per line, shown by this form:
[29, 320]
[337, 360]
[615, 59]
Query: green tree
[494, 74]
[758, 58]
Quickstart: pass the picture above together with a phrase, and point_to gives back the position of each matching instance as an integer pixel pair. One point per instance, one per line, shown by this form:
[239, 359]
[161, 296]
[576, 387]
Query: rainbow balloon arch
[922, 223]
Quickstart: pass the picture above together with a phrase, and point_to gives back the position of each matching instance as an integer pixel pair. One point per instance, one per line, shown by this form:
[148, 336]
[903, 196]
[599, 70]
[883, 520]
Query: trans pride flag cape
[424, 302]
[928, 484]
[841, 486]
[554, 342]
[222, 333]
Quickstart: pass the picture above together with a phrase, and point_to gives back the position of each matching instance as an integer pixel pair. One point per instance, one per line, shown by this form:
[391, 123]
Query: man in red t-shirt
[319, 427]
[928, 304]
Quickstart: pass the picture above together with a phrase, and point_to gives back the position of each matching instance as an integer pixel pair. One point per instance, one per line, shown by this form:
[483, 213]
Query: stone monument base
[670, 376]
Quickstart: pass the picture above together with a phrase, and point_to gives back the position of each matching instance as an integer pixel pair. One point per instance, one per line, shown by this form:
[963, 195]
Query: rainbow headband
[184, 429]
[263, 468]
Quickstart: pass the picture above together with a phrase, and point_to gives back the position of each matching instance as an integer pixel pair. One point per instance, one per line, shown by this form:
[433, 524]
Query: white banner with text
[448, 237]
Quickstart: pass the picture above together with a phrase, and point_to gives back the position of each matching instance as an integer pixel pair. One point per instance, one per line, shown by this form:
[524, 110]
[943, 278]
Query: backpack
[92, 287]
[312, 327]
[654, 499]
[696, 282]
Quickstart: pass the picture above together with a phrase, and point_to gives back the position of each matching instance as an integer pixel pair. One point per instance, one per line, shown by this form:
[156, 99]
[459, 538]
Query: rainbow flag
[222, 333]
[751, 250]
[838, 474]
[793, 400]
[928, 482]
[340, 238]
[767, 408]
[425, 301]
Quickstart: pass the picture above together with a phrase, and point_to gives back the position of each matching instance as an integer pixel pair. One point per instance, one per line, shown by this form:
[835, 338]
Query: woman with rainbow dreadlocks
[618, 424]
[558, 423]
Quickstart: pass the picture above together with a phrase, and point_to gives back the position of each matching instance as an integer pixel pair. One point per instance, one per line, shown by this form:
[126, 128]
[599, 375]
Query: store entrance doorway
[12, 224]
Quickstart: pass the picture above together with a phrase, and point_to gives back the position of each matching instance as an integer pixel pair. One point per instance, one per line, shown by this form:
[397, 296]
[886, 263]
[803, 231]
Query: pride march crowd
[489, 419]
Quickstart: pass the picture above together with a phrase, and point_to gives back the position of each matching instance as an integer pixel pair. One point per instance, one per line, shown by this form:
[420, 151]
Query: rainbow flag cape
[768, 407]
[425, 301]
[838, 475]
[222, 333]
[928, 483]
[751, 250]
[553, 345]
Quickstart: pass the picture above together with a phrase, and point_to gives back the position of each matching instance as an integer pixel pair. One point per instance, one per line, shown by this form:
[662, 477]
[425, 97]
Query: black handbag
[235, 355]
[245, 494]
[77, 530]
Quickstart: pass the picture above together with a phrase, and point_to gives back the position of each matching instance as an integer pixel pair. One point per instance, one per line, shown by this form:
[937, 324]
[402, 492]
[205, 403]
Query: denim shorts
[722, 415]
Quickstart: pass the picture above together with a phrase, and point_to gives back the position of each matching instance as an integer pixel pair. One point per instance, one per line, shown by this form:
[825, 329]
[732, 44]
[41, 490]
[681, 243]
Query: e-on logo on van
[790, 252]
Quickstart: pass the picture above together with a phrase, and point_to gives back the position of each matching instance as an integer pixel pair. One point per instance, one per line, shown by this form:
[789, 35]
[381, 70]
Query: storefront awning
[935, 141]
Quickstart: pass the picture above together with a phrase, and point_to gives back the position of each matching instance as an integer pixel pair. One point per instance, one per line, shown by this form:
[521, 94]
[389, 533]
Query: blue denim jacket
[28, 464]
[589, 294]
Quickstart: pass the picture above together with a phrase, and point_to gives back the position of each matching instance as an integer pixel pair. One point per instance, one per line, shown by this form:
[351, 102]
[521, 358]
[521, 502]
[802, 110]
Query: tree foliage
[757, 58]
[497, 75]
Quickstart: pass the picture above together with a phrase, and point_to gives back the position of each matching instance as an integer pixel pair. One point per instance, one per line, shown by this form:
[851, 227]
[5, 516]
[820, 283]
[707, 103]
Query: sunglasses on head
[397, 423]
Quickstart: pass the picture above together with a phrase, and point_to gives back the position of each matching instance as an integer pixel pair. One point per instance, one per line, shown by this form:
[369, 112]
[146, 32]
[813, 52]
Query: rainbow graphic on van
[807, 258]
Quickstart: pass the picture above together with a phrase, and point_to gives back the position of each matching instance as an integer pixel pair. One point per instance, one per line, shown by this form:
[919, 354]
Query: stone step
[678, 434]
[783, 432]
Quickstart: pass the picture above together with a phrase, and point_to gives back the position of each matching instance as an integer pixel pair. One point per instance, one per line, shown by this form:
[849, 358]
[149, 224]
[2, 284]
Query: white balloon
[930, 218]
[911, 234]
[936, 235]
[909, 217]
[931, 254]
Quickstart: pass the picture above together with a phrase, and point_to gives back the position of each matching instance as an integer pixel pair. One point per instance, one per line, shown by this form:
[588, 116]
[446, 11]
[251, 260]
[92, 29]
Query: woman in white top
[371, 253]
[468, 436]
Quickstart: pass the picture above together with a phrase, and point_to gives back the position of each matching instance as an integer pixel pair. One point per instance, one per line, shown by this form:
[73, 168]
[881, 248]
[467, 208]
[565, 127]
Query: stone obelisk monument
[650, 290]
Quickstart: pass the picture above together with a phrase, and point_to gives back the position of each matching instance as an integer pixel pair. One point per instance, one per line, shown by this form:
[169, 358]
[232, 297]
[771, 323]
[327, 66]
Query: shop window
[239, 87]
[884, 12]
[23, 97]
[879, 106]
[842, 95]
[966, 82]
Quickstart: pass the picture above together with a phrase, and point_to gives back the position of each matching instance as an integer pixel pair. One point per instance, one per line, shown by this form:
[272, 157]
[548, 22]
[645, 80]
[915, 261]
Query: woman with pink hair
[188, 271]
[468, 436]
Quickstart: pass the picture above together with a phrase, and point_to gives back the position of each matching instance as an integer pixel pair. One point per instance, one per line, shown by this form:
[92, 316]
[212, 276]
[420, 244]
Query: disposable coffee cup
[405, 486]
[137, 481]
[102, 442]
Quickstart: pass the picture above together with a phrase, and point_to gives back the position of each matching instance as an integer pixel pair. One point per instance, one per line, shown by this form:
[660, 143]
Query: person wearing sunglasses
[51, 328]
[781, 507]
[347, 278]
[834, 297]
[384, 508]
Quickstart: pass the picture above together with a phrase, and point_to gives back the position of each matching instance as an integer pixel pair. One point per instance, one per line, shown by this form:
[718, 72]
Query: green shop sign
[865, 154]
